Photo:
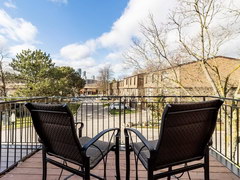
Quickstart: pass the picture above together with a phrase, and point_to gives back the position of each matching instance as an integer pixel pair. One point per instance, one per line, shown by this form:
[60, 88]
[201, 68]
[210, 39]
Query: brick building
[132, 86]
[184, 79]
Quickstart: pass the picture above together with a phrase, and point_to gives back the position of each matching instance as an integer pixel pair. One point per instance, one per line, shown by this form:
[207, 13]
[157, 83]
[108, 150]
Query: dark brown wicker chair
[185, 136]
[55, 127]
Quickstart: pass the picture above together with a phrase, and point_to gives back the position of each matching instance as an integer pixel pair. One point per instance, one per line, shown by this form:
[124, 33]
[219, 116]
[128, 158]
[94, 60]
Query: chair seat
[144, 154]
[94, 152]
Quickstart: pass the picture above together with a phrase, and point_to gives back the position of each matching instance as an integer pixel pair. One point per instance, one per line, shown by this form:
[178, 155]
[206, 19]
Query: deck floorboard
[31, 169]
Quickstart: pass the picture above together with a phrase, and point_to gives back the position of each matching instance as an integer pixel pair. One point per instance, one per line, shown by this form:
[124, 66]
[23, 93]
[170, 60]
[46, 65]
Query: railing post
[120, 119]
[46, 100]
[1, 138]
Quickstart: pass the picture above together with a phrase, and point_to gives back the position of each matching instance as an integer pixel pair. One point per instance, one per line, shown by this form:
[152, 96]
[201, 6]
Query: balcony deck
[31, 169]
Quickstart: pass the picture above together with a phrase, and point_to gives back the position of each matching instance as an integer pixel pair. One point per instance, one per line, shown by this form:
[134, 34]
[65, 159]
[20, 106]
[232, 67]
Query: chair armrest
[77, 123]
[80, 128]
[140, 136]
[39, 140]
[99, 135]
[210, 142]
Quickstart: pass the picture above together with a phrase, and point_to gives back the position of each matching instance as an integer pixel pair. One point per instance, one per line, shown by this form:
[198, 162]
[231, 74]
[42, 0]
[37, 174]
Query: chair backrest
[186, 130]
[54, 125]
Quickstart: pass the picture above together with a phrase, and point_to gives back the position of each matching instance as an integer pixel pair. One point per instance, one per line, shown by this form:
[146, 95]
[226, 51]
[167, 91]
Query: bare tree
[234, 10]
[152, 52]
[200, 37]
[3, 55]
[210, 35]
[104, 77]
[202, 29]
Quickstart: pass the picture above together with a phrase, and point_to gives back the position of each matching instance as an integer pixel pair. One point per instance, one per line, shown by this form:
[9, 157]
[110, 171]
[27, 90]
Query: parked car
[117, 106]
[105, 98]
[75, 99]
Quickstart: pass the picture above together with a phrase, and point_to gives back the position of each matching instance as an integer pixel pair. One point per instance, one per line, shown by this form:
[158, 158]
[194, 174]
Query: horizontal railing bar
[23, 100]
[197, 96]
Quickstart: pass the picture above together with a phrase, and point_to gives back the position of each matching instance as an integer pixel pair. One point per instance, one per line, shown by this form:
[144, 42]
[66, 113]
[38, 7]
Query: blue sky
[87, 34]
[59, 23]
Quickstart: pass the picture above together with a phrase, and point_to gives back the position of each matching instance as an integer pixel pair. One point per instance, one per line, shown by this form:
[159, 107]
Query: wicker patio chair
[55, 127]
[185, 136]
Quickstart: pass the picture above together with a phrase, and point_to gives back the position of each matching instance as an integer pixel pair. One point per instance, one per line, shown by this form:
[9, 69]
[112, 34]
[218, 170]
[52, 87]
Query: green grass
[105, 104]
[27, 120]
[73, 107]
[19, 123]
[218, 127]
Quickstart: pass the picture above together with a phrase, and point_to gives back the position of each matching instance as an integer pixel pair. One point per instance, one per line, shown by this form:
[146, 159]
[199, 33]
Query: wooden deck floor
[31, 170]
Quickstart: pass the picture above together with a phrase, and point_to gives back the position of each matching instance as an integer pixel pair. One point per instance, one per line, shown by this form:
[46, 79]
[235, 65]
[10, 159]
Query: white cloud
[3, 41]
[18, 48]
[77, 51]
[83, 63]
[120, 34]
[228, 50]
[78, 56]
[124, 28]
[115, 56]
[60, 1]
[119, 68]
[93, 71]
[17, 29]
[128, 24]
[10, 4]
[26, 31]
[87, 62]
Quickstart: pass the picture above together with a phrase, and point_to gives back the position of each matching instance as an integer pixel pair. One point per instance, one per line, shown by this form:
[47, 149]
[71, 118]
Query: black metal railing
[18, 138]
[17, 135]
[144, 113]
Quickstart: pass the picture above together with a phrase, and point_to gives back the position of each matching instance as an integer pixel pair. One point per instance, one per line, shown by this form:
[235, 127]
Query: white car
[117, 106]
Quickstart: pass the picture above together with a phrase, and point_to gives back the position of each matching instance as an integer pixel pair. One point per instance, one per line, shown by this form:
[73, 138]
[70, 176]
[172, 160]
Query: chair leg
[87, 169]
[127, 158]
[169, 169]
[150, 174]
[206, 165]
[44, 164]
[117, 161]
[136, 166]
[150, 170]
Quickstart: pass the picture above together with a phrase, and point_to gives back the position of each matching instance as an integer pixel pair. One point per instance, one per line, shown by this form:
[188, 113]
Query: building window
[164, 75]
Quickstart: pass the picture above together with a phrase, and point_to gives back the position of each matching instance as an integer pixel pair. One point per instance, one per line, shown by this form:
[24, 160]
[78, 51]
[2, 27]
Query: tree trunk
[3, 78]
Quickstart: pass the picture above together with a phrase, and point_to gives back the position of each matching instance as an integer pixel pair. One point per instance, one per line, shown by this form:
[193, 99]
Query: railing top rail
[171, 96]
[111, 96]
[22, 100]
